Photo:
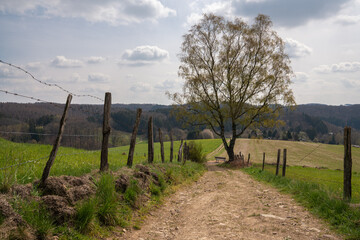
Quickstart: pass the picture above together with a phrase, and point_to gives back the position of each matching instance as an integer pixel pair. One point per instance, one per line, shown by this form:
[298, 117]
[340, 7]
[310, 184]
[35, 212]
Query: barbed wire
[47, 134]
[50, 84]
[297, 161]
[32, 98]
[19, 164]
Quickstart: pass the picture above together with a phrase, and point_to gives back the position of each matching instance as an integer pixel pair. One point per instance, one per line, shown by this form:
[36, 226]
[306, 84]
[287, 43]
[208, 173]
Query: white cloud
[94, 60]
[98, 77]
[33, 65]
[140, 87]
[143, 55]
[348, 20]
[63, 62]
[296, 49]
[343, 67]
[110, 11]
[300, 77]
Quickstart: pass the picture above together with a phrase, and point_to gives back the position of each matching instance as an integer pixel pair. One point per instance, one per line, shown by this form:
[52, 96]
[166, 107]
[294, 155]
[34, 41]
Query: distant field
[75, 162]
[304, 160]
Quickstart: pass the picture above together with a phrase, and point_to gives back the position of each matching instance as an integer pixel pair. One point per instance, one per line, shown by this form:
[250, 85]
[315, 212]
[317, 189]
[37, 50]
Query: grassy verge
[321, 201]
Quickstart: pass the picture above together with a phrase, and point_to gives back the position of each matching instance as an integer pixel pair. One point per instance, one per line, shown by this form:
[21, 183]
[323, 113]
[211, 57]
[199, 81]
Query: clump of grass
[318, 200]
[36, 216]
[107, 200]
[132, 193]
[86, 212]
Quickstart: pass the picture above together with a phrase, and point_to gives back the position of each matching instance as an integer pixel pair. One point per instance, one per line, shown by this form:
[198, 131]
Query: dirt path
[227, 204]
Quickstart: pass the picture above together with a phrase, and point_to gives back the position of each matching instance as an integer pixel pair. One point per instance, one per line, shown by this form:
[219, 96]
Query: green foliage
[318, 200]
[86, 212]
[196, 153]
[107, 200]
[132, 193]
[36, 216]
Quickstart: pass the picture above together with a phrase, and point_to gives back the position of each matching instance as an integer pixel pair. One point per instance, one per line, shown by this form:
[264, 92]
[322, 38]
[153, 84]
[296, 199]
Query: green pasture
[76, 162]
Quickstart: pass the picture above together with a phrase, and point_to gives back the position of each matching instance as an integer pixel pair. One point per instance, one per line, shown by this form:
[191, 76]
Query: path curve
[229, 204]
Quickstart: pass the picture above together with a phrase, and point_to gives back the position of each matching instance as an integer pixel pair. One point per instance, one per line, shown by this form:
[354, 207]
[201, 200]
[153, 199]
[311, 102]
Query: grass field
[311, 162]
[76, 162]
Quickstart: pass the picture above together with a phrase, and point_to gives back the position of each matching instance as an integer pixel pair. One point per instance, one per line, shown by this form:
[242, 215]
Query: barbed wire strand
[32, 98]
[50, 84]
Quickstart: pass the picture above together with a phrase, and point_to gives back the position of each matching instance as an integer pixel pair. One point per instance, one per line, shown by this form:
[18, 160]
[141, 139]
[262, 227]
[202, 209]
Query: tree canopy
[236, 76]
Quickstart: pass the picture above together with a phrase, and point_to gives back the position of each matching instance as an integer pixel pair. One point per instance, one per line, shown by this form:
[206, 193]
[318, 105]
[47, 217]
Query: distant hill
[308, 122]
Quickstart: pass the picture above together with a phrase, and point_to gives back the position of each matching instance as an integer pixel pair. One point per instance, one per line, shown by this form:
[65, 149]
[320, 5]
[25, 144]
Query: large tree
[236, 76]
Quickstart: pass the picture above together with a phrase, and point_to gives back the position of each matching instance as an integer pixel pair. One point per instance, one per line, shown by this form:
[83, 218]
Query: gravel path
[229, 204]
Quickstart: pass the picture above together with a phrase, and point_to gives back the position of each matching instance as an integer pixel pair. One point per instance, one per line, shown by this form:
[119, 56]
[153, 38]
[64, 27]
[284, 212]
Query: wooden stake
[347, 163]
[180, 151]
[263, 165]
[133, 138]
[278, 162]
[161, 146]
[56, 145]
[150, 141]
[104, 165]
[284, 163]
[171, 146]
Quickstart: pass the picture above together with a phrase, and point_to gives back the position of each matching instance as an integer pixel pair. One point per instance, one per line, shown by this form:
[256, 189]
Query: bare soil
[229, 204]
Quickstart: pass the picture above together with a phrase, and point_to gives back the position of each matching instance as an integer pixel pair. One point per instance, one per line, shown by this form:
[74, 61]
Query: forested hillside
[312, 122]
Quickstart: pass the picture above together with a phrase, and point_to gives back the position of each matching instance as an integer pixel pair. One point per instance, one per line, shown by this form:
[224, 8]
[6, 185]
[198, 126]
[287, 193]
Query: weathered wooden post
[185, 153]
[171, 147]
[104, 165]
[150, 141]
[284, 163]
[277, 163]
[180, 151]
[248, 162]
[347, 163]
[56, 145]
[263, 165]
[161, 146]
[133, 138]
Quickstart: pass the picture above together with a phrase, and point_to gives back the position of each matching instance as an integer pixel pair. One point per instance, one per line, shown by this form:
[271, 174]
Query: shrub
[107, 200]
[132, 192]
[196, 153]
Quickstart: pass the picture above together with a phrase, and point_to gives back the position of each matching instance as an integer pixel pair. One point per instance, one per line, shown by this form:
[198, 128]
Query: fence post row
[161, 146]
[284, 162]
[104, 165]
[278, 163]
[347, 163]
[56, 145]
[133, 138]
[150, 141]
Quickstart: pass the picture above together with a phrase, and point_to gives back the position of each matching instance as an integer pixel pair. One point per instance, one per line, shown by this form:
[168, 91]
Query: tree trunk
[230, 148]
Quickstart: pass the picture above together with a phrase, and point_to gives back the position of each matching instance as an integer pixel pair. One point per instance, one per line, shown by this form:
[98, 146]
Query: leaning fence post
[347, 163]
[180, 151]
[161, 146]
[263, 165]
[56, 145]
[104, 165]
[150, 141]
[284, 162]
[133, 138]
[277, 163]
[248, 162]
[171, 146]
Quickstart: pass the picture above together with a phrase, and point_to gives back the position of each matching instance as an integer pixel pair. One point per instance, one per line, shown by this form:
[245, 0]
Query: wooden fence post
[277, 163]
[248, 162]
[171, 147]
[133, 138]
[284, 162]
[56, 145]
[161, 146]
[104, 165]
[180, 151]
[150, 141]
[263, 165]
[185, 153]
[347, 163]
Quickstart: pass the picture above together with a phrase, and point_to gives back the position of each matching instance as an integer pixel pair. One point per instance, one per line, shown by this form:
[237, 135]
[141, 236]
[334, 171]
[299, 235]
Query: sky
[130, 47]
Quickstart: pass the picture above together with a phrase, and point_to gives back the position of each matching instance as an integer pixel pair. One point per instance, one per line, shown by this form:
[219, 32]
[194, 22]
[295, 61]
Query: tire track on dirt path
[229, 204]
